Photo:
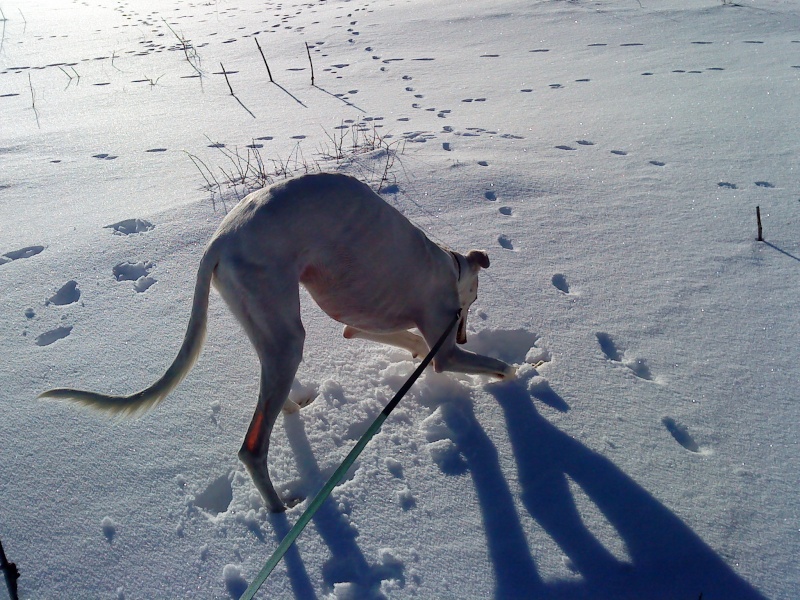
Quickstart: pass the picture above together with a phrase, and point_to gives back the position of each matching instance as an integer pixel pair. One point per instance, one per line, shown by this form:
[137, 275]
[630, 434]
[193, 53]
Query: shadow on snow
[667, 559]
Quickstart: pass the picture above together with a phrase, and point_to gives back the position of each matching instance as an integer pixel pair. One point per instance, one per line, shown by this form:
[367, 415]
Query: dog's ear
[477, 259]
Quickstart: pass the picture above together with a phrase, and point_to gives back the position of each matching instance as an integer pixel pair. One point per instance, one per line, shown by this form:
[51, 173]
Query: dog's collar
[458, 264]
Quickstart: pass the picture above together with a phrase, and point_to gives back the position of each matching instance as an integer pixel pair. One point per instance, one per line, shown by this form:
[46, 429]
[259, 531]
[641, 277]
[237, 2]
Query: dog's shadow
[667, 559]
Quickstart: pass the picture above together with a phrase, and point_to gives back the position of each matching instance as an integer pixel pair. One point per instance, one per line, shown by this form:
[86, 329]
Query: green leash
[337, 476]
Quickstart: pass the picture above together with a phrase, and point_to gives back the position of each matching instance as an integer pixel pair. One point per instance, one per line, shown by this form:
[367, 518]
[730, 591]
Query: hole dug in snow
[217, 497]
[509, 345]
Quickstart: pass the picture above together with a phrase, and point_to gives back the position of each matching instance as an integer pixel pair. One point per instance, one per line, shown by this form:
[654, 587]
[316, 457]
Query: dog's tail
[140, 402]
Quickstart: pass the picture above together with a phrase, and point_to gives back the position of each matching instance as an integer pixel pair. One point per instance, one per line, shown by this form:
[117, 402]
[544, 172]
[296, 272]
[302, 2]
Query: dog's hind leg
[255, 448]
[268, 307]
[402, 339]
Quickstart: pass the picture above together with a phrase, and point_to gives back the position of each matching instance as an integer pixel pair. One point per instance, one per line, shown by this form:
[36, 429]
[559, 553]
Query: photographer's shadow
[667, 559]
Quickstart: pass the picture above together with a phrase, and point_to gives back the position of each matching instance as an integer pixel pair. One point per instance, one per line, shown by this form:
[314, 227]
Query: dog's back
[349, 247]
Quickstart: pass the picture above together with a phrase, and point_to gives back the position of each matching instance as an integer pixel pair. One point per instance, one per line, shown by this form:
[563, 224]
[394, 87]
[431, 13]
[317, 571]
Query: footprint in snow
[727, 185]
[26, 252]
[505, 242]
[129, 226]
[136, 272]
[681, 434]
[505, 210]
[559, 281]
[490, 195]
[765, 184]
[638, 366]
[109, 528]
[67, 294]
[52, 336]
[438, 431]
[217, 495]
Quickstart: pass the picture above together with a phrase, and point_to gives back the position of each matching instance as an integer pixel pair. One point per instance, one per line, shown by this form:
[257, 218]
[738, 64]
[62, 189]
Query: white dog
[361, 260]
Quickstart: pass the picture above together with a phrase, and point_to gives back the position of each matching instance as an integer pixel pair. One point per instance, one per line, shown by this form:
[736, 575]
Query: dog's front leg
[464, 361]
[453, 358]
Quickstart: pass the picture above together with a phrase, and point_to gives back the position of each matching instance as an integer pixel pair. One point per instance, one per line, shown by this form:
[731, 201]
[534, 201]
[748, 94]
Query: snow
[608, 155]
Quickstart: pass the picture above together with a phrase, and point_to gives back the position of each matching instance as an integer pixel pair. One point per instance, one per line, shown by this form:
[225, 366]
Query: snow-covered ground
[609, 155]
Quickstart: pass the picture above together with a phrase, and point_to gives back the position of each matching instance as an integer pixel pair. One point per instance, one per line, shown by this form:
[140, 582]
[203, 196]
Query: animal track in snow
[490, 195]
[681, 434]
[109, 528]
[444, 451]
[136, 272]
[217, 496]
[559, 281]
[52, 336]
[619, 152]
[505, 210]
[505, 242]
[67, 294]
[727, 185]
[657, 163]
[765, 184]
[129, 226]
[128, 271]
[638, 366]
[26, 252]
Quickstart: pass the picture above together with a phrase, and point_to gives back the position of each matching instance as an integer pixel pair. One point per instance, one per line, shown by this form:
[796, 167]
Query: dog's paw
[290, 407]
[300, 396]
[509, 374]
[291, 502]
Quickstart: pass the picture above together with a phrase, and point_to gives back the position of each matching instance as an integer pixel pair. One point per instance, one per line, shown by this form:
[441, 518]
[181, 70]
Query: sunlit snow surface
[608, 155]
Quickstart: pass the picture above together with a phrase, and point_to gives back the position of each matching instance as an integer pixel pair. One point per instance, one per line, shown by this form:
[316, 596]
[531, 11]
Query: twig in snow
[74, 76]
[308, 51]
[186, 46]
[224, 72]
[265, 61]
[760, 237]
[11, 574]
[33, 101]
[3, 38]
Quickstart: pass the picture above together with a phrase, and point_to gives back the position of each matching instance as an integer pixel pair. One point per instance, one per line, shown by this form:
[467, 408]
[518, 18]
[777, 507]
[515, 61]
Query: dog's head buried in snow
[361, 260]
